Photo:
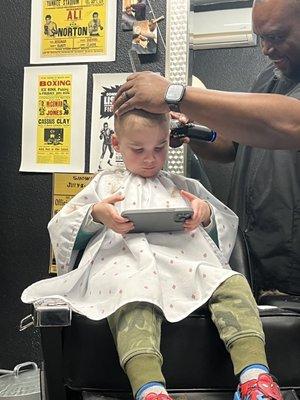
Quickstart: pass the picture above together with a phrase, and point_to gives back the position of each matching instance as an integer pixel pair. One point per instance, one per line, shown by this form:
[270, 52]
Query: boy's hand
[201, 210]
[105, 212]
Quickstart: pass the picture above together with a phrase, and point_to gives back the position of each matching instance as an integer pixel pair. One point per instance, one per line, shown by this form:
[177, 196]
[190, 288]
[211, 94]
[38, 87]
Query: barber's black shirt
[266, 196]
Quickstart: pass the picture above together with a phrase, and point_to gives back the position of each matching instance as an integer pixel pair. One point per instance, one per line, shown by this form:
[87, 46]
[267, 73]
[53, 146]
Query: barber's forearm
[259, 120]
[220, 150]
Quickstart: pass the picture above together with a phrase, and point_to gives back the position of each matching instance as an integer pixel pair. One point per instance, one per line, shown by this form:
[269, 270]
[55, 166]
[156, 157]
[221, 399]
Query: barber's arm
[259, 120]
[221, 150]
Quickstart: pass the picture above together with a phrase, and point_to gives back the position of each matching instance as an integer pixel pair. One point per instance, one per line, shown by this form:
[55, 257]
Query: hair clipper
[190, 130]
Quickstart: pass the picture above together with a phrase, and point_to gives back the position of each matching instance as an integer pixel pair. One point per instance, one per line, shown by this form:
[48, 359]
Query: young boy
[134, 279]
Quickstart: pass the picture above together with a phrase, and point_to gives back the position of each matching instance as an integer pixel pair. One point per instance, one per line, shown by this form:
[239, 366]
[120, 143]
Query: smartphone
[158, 219]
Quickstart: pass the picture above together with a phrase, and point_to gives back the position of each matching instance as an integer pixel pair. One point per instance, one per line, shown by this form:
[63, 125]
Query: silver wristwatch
[174, 95]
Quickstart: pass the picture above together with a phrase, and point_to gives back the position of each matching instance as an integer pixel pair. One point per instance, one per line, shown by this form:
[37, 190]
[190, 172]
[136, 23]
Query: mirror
[234, 63]
[180, 160]
[231, 67]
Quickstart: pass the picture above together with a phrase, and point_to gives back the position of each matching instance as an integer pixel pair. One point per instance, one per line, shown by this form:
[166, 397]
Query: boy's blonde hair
[139, 115]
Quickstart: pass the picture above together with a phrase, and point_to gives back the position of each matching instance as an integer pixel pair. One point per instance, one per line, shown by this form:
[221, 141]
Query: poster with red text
[53, 133]
[72, 31]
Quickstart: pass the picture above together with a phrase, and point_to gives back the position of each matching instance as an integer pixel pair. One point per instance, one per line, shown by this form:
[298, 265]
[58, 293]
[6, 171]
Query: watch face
[174, 93]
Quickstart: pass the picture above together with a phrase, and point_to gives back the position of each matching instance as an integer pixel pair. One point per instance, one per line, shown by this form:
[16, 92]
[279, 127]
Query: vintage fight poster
[53, 135]
[102, 154]
[64, 188]
[72, 31]
[54, 117]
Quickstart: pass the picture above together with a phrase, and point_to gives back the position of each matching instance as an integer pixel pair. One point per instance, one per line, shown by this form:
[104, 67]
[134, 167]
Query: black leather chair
[82, 357]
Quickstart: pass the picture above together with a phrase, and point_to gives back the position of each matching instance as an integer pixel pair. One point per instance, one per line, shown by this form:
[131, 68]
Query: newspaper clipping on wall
[72, 31]
[53, 135]
[102, 154]
[137, 16]
[64, 188]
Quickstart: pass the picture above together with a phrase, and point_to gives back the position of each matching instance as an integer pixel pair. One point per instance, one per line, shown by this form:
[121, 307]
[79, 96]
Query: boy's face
[144, 148]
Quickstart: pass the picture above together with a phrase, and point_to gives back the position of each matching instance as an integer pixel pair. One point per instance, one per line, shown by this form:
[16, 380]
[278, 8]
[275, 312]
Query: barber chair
[81, 358]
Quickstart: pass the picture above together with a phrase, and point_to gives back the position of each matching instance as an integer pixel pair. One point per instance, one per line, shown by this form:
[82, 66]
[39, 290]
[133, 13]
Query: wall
[232, 69]
[26, 197]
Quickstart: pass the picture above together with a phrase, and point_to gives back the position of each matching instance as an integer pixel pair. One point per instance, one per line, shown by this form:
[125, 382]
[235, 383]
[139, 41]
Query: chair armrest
[240, 260]
[282, 301]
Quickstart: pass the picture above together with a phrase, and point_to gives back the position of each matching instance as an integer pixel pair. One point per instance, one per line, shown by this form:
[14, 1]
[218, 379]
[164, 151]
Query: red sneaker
[157, 396]
[263, 388]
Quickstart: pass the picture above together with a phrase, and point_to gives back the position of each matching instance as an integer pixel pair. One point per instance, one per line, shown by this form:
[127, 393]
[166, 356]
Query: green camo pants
[136, 330]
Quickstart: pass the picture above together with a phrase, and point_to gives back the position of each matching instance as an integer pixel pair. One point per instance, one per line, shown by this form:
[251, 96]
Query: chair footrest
[203, 395]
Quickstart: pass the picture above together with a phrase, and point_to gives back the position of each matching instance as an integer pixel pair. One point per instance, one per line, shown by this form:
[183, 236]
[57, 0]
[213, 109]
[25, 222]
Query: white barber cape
[176, 271]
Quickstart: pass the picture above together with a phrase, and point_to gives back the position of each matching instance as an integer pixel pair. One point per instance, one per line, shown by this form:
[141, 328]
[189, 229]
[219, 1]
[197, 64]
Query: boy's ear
[115, 142]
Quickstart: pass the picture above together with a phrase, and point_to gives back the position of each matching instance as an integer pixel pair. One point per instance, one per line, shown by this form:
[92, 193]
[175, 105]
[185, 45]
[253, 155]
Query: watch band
[174, 107]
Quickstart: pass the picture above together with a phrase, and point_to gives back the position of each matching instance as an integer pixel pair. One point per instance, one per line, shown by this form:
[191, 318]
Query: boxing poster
[102, 154]
[64, 188]
[53, 132]
[65, 31]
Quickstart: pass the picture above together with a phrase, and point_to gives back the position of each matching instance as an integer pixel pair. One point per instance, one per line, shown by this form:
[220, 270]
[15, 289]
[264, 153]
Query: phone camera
[181, 217]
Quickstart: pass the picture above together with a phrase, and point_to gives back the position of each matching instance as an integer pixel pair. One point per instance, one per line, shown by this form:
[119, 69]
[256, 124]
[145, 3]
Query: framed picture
[132, 11]
[64, 188]
[144, 39]
[54, 109]
[65, 31]
[102, 154]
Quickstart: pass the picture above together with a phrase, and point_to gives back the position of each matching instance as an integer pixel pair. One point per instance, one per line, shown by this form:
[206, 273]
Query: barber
[260, 131]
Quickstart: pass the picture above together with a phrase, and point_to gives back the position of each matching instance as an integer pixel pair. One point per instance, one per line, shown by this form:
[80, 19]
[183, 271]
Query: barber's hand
[177, 142]
[180, 117]
[105, 212]
[201, 210]
[143, 90]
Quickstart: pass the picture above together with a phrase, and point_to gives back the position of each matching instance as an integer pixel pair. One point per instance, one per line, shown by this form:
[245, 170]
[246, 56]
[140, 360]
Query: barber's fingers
[127, 105]
[126, 86]
[174, 114]
[120, 98]
[180, 117]
[132, 76]
[142, 75]
[146, 90]
[126, 102]
[177, 142]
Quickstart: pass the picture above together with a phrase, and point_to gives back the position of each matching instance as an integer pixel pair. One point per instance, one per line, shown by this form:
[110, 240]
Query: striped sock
[150, 387]
[252, 372]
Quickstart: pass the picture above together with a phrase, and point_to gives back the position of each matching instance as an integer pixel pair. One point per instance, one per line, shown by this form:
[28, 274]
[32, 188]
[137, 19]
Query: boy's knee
[234, 288]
